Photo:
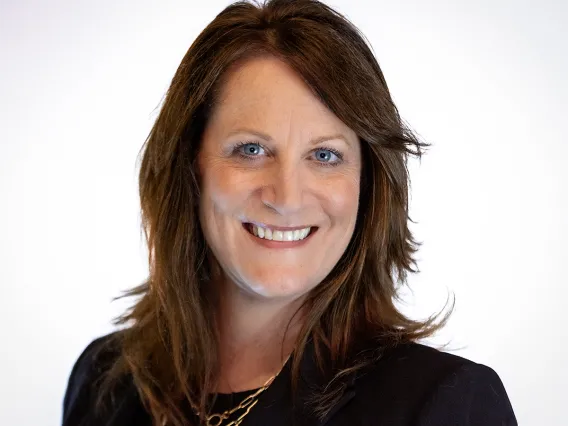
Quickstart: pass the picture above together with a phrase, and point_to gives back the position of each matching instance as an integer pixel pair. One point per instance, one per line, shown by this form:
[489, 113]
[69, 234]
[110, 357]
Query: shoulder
[431, 387]
[86, 375]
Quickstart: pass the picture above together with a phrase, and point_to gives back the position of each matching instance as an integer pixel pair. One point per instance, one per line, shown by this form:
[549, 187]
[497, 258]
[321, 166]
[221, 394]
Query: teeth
[269, 234]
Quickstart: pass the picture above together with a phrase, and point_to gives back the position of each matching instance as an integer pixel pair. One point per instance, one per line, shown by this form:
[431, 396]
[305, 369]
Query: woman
[274, 196]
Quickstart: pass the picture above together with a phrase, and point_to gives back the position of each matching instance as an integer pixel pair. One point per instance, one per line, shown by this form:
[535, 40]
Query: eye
[329, 156]
[248, 149]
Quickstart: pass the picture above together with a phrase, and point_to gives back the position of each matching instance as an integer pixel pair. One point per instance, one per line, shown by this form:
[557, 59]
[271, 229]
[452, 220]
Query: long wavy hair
[168, 344]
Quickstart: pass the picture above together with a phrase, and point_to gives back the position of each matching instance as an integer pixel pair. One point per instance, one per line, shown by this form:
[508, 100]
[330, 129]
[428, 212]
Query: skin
[284, 180]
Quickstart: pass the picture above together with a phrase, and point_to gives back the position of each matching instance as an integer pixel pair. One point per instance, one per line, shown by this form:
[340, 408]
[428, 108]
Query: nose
[283, 192]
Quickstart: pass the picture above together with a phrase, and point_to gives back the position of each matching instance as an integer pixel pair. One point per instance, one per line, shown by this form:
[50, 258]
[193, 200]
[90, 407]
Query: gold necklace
[246, 404]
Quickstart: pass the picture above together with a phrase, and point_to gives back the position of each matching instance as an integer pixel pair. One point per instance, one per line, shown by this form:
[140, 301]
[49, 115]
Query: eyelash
[239, 145]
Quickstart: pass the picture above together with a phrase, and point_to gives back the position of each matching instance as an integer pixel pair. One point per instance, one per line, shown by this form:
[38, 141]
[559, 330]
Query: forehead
[267, 93]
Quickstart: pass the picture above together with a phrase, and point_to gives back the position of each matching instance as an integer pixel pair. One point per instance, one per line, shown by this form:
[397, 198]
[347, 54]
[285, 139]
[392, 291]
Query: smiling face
[279, 182]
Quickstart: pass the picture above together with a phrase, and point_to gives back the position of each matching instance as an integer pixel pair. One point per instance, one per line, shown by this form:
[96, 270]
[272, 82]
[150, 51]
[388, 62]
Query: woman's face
[279, 182]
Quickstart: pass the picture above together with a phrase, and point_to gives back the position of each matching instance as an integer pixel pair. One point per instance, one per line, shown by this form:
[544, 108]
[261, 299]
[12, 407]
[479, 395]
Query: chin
[272, 286]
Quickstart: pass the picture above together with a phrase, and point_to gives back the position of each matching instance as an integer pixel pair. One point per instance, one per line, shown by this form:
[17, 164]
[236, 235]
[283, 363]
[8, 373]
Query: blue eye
[327, 155]
[249, 149]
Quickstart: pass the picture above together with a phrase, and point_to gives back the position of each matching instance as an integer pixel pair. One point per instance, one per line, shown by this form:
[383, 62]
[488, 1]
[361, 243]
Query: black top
[227, 401]
[410, 385]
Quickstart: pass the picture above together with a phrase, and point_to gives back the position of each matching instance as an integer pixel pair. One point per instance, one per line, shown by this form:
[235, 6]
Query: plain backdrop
[484, 82]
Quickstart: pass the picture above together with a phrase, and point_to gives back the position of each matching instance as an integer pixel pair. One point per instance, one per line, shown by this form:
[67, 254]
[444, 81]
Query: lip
[278, 244]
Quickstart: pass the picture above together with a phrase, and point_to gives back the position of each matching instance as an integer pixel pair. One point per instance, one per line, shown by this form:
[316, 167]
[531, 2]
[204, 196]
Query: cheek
[224, 189]
[342, 196]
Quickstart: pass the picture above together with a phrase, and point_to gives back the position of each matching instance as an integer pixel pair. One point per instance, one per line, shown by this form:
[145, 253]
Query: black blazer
[410, 385]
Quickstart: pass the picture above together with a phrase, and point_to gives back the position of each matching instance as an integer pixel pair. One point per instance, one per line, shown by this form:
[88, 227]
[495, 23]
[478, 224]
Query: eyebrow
[267, 138]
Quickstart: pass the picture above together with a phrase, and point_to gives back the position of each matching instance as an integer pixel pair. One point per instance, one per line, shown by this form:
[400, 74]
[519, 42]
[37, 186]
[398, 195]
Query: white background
[484, 82]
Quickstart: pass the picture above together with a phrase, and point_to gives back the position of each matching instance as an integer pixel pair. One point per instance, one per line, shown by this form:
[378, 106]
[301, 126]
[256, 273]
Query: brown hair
[169, 345]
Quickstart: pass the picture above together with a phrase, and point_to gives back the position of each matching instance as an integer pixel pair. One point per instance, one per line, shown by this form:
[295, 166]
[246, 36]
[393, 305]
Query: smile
[280, 235]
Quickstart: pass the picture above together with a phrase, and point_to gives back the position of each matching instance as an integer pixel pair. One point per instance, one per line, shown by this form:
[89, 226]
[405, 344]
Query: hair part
[169, 342]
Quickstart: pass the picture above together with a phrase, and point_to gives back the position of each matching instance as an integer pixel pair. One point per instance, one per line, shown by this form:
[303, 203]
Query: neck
[255, 339]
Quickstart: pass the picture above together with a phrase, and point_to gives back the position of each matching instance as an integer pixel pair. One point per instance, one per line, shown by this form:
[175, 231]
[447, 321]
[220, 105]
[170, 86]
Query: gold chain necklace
[246, 404]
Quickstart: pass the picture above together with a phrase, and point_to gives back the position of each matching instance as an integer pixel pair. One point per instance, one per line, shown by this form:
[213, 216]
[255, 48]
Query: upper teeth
[275, 235]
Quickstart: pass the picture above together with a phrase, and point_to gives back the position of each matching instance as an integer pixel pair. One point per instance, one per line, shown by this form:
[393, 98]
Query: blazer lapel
[274, 405]
[129, 410]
